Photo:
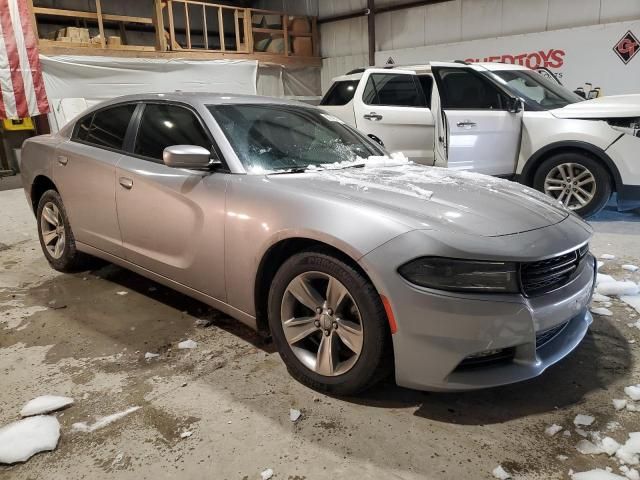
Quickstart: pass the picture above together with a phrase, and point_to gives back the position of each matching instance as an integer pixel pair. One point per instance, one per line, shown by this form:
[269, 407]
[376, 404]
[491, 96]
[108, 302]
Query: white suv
[499, 119]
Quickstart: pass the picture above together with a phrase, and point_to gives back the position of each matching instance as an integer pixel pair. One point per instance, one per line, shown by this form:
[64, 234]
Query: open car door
[391, 107]
[483, 123]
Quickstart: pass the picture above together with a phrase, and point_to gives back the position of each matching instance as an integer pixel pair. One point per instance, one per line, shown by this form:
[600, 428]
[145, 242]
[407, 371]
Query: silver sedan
[356, 263]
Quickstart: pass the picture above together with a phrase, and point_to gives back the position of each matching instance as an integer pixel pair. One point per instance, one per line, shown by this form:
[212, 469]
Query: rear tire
[55, 234]
[359, 317]
[578, 180]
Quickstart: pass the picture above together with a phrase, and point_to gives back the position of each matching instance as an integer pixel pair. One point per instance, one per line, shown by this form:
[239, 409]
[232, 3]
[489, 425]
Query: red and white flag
[22, 92]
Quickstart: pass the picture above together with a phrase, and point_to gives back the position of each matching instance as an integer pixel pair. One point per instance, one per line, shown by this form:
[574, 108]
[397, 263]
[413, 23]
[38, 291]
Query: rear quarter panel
[37, 159]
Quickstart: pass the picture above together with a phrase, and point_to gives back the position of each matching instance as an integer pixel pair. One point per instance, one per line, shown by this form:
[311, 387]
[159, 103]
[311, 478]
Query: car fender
[259, 216]
[527, 173]
[541, 130]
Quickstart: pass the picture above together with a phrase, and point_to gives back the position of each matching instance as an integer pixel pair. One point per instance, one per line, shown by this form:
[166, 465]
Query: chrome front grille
[538, 278]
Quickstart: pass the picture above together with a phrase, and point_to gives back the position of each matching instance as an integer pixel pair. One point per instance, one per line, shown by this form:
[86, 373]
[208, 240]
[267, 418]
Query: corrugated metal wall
[293, 7]
[344, 43]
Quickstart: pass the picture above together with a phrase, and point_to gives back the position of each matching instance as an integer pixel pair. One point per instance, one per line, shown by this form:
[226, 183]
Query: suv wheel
[577, 180]
[56, 236]
[328, 324]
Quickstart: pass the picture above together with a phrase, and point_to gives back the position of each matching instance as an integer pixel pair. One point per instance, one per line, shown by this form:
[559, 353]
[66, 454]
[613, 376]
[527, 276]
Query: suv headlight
[630, 126]
[462, 275]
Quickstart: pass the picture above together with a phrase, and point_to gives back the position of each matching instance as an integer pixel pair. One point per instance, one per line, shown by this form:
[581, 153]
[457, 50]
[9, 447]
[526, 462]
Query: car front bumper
[437, 331]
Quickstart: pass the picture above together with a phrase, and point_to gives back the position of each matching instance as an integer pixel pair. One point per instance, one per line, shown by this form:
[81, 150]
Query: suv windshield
[538, 92]
[281, 137]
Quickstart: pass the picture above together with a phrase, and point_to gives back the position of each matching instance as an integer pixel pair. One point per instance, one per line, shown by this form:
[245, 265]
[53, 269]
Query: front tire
[55, 234]
[328, 324]
[577, 180]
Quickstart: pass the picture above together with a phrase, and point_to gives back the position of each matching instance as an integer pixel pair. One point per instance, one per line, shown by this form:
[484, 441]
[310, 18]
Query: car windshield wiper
[288, 170]
[316, 168]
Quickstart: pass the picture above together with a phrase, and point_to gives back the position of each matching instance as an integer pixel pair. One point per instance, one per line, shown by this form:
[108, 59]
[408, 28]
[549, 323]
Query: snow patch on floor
[598, 297]
[604, 278]
[630, 473]
[102, 421]
[552, 430]
[500, 473]
[602, 311]
[596, 474]
[633, 392]
[20, 440]
[582, 419]
[632, 301]
[187, 344]
[619, 403]
[587, 447]
[45, 404]
[617, 288]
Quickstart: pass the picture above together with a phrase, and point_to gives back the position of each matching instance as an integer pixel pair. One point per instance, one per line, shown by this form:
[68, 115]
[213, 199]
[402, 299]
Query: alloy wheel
[321, 323]
[572, 184]
[52, 230]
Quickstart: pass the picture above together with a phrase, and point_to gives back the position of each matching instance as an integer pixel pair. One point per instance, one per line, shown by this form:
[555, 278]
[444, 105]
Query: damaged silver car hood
[430, 197]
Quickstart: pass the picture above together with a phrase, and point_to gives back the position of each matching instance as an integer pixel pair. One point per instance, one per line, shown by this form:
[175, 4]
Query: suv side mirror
[186, 156]
[515, 105]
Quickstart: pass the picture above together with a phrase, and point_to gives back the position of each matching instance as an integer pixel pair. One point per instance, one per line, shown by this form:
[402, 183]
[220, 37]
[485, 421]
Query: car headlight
[462, 275]
[630, 126]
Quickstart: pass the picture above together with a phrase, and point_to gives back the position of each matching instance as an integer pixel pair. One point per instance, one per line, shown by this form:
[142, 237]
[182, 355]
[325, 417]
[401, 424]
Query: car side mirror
[186, 156]
[516, 105]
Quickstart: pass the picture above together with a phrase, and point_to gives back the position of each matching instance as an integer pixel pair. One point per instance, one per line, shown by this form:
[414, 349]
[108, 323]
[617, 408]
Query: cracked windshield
[289, 138]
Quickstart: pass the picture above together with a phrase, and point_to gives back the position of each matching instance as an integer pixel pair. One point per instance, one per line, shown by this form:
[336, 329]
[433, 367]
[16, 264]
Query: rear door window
[340, 93]
[389, 89]
[106, 127]
[163, 125]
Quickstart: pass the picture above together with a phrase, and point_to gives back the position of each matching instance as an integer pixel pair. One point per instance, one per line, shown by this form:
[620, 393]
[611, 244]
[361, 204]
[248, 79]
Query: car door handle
[467, 124]
[126, 183]
[373, 116]
[62, 160]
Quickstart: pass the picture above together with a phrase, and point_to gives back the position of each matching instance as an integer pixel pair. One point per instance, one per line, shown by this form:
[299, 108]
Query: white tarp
[594, 54]
[76, 82]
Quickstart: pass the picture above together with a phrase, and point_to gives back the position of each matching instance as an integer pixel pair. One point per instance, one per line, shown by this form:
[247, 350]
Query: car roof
[426, 68]
[202, 98]
[190, 98]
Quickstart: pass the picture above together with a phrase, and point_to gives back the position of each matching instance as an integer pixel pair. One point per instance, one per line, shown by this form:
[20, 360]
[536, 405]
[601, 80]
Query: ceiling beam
[377, 10]
[371, 28]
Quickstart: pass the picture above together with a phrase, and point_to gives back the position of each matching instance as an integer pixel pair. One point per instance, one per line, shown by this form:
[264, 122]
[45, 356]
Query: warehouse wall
[344, 43]
[293, 7]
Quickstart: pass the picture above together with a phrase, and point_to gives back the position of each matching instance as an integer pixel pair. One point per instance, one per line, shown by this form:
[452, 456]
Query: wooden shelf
[63, 48]
[168, 37]
[47, 44]
[267, 30]
[57, 12]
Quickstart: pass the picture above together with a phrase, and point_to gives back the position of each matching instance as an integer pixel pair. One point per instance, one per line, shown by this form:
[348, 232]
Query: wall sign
[627, 47]
[600, 55]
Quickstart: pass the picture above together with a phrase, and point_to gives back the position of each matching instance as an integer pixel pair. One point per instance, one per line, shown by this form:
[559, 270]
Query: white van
[500, 119]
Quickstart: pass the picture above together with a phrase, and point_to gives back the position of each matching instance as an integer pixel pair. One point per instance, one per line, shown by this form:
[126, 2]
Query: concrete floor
[10, 183]
[74, 335]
